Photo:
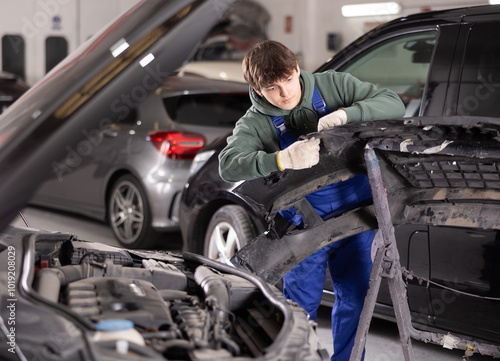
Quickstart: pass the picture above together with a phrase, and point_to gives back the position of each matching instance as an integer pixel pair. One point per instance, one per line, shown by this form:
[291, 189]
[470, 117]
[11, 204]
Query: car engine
[165, 306]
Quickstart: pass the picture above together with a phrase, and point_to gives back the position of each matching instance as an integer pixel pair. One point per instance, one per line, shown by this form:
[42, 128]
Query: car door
[466, 261]
[465, 280]
[102, 152]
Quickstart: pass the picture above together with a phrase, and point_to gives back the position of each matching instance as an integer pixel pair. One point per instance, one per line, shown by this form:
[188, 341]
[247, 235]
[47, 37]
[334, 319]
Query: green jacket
[251, 150]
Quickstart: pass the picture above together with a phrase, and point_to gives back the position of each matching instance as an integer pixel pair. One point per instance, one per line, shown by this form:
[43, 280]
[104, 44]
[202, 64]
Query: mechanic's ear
[258, 92]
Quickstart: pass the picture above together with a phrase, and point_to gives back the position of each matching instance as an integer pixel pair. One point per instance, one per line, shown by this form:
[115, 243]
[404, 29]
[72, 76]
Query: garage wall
[33, 22]
[302, 25]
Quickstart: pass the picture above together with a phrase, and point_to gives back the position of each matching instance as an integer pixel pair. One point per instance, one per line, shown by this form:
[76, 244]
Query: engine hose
[48, 281]
[231, 345]
[170, 295]
[215, 291]
[187, 345]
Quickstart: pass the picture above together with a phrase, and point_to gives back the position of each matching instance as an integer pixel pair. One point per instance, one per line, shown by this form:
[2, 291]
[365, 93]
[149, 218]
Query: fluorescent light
[119, 47]
[146, 60]
[373, 9]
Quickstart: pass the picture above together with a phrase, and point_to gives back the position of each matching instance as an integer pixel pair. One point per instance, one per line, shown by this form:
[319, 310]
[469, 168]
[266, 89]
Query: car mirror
[422, 50]
[421, 57]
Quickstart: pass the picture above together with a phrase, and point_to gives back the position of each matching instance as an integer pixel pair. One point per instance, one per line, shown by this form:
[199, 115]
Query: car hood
[435, 171]
[59, 121]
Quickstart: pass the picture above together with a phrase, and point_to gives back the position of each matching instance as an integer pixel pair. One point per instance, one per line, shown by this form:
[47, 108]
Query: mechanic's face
[285, 93]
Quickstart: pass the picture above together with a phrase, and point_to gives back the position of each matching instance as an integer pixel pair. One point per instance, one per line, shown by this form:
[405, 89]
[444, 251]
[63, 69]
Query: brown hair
[267, 62]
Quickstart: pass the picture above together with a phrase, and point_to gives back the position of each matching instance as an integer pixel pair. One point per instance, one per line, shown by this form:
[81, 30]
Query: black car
[445, 66]
[68, 299]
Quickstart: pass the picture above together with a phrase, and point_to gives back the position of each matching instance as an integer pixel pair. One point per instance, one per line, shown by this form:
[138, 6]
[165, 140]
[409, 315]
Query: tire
[129, 215]
[228, 231]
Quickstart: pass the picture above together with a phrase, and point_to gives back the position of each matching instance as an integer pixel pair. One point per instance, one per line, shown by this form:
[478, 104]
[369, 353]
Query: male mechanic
[288, 102]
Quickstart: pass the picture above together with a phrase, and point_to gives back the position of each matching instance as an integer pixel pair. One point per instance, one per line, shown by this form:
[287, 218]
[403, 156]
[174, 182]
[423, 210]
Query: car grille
[448, 172]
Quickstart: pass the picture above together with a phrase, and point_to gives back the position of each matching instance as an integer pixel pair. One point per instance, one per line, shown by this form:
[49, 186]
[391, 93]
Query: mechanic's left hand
[338, 117]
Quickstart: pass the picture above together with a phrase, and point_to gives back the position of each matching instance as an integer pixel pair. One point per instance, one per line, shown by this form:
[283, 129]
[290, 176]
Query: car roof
[450, 15]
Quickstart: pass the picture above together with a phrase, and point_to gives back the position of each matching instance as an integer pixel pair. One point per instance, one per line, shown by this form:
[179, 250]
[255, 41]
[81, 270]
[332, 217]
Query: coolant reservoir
[116, 330]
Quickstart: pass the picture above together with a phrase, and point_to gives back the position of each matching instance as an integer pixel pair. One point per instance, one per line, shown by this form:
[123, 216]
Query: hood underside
[53, 126]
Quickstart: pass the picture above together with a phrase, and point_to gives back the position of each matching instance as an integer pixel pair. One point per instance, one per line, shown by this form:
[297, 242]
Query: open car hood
[59, 121]
[436, 171]
[62, 296]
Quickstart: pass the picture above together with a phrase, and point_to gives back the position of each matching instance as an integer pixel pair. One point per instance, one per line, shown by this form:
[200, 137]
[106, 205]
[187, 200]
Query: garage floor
[383, 343]
[383, 338]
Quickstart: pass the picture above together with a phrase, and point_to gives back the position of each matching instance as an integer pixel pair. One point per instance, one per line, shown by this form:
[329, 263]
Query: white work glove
[300, 155]
[338, 117]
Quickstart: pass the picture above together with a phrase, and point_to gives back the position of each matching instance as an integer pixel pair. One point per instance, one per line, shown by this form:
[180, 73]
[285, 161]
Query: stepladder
[386, 265]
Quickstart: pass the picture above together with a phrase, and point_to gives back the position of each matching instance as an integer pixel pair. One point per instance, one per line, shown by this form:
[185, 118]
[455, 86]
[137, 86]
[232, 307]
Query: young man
[264, 141]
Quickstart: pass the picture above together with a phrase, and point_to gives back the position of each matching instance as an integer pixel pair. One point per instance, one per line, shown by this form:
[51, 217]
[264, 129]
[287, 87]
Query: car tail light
[177, 145]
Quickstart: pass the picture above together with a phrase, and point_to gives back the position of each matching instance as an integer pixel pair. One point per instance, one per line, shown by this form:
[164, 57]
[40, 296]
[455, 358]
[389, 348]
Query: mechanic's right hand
[338, 117]
[300, 155]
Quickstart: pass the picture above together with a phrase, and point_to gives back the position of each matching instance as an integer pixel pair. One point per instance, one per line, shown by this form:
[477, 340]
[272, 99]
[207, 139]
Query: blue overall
[349, 260]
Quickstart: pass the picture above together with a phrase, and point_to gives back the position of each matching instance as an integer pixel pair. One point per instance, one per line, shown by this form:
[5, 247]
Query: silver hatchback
[131, 171]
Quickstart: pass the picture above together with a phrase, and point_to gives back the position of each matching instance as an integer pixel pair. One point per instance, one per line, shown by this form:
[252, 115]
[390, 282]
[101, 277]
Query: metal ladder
[386, 265]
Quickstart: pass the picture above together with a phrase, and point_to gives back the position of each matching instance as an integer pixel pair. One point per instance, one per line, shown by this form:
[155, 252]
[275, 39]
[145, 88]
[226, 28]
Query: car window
[208, 109]
[479, 92]
[400, 64]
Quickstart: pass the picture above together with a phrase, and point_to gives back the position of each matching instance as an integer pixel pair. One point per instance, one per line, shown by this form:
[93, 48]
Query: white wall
[302, 25]
[312, 20]
[35, 20]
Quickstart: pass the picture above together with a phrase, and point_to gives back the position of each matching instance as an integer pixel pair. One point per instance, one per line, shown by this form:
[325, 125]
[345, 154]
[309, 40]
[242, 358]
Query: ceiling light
[373, 9]
[494, 2]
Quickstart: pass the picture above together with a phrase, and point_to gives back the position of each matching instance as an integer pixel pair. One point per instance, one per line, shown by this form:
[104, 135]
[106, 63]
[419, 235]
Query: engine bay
[168, 306]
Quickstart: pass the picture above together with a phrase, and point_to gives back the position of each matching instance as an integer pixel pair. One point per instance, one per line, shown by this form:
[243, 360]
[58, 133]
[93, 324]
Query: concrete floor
[383, 343]
[383, 338]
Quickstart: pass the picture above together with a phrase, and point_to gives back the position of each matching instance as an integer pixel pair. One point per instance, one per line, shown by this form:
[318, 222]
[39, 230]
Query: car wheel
[129, 215]
[228, 231]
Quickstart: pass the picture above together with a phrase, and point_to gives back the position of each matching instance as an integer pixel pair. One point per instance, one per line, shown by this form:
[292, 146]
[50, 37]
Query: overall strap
[286, 138]
[319, 104]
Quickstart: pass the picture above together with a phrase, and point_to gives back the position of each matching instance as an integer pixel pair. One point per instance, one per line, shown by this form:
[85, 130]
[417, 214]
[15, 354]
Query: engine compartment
[176, 307]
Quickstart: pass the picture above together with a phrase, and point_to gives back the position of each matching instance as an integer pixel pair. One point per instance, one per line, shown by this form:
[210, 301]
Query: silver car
[132, 170]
